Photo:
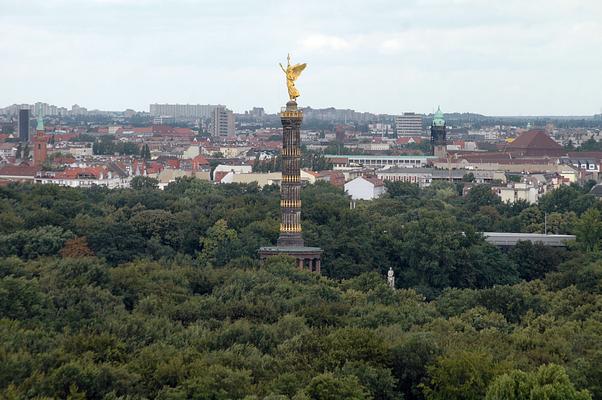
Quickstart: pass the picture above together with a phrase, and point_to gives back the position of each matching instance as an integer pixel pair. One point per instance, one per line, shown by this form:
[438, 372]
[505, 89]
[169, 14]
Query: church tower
[40, 151]
[439, 135]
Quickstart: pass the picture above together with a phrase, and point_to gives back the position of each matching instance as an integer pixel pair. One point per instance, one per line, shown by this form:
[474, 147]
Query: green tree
[589, 230]
[26, 151]
[144, 183]
[217, 245]
[21, 298]
[534, 261]
[481, 195]
[462, 375]
[327, 386]
[549, 382]
[145, 153]
[19, 153]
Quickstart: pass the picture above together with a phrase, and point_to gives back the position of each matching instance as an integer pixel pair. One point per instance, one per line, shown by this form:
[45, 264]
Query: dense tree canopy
[150, 294]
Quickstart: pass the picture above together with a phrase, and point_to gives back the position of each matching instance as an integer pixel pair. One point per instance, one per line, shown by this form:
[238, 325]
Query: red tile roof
[374, 180]
[73, 173]
[19, 170]
[596, 155]
[200, 160]
[535, 139]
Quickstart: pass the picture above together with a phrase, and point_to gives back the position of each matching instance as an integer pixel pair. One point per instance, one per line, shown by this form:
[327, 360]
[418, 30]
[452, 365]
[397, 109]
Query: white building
[374, 146]
[191, 152]
[380, 129]
[343, 162]
[264, 178]
[84, 177]
[518, 191]
[7, 150]
[365, 188]
[237, 169]
[187, 111]
[81, 151]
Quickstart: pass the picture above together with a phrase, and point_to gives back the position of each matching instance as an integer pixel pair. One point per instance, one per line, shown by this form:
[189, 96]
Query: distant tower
[439, 135]
[391, 278]
[40, 151]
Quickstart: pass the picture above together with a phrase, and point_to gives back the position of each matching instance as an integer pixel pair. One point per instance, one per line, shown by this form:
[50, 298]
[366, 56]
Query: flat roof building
[375, 161]
[24, 117]
[409, 124]
[185, 111]
[223, 122]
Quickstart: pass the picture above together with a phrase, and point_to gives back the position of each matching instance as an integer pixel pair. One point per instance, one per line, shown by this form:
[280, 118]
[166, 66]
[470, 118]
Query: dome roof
[438, 119]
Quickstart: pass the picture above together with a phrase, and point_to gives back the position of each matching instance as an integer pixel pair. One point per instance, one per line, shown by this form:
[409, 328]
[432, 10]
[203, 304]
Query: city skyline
[520, 58]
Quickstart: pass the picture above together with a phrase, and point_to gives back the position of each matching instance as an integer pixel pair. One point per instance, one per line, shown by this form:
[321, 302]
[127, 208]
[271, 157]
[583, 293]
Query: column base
[290, 240]
[308, 258]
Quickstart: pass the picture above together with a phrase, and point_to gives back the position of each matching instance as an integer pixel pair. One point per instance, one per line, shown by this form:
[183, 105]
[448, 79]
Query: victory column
[290, 241]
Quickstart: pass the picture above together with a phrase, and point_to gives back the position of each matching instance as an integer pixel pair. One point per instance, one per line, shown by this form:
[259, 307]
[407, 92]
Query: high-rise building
[290, 241]
[409, 124]
[24, 116]
[77, 110]
[439, 135]
[223, 122]
[183, 111]
[40, 151]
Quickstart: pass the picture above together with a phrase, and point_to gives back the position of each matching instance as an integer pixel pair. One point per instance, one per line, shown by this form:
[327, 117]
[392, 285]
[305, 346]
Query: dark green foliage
[145, 152]
[144, 182]
[172, 302]
[534, 261]
[106, 145]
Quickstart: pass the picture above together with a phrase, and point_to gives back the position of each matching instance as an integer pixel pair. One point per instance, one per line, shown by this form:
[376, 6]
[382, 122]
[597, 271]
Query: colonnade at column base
[307, 258]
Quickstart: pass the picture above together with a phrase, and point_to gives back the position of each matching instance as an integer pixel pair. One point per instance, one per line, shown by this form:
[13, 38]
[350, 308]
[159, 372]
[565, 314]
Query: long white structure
[506, 239]
[183, 110]
[342, 162]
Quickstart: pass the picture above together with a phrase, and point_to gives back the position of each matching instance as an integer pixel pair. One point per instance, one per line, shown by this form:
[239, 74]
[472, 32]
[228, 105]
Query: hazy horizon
[516, 58]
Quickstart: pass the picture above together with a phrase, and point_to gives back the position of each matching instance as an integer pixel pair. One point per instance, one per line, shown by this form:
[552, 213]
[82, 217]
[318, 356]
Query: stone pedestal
[308, 258]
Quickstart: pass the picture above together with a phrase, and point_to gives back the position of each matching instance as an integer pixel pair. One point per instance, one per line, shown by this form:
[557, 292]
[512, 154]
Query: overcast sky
[496, 57]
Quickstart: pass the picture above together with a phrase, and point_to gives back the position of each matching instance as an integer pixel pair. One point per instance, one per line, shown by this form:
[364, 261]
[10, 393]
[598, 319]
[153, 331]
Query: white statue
[391, 278]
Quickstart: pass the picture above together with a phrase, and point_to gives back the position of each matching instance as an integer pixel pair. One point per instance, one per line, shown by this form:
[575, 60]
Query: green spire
[438, 119]
[40, 124]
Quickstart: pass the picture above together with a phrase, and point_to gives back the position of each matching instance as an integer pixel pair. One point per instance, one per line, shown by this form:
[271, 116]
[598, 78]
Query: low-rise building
[18, 173]
[222, 169]
[365, 188]
[518, 191]
[264, 178]
[423, 177]
[342, 162]
[8, 150]
[84, 177]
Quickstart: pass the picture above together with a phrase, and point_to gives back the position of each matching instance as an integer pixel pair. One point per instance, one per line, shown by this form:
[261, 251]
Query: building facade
[343, 162]
[409, 124]
[365, 188]
[223, 122]
[190, 111]
[24, 116]
[518, 191]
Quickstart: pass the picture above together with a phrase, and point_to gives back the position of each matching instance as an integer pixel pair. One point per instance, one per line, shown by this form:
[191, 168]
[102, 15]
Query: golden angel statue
[292, 72]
